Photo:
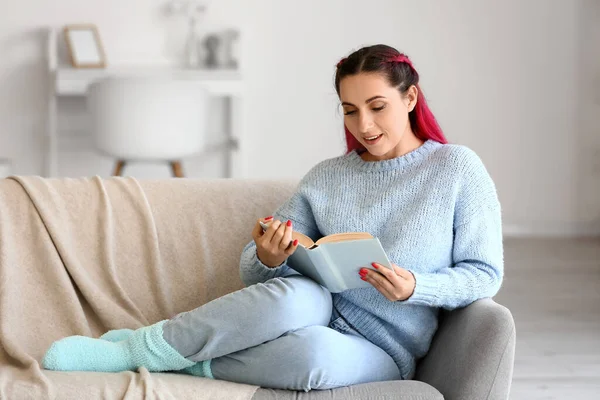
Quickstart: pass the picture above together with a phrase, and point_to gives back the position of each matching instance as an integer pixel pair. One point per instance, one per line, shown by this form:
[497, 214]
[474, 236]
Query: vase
[192, 56]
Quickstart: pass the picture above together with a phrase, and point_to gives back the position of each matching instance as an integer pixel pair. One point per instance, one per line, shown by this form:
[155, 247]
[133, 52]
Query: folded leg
[234, 322]
[315, 357]
[249, 317]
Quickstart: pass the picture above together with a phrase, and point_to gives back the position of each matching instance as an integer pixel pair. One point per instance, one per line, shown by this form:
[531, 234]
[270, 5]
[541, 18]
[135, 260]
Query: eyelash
[376, 109]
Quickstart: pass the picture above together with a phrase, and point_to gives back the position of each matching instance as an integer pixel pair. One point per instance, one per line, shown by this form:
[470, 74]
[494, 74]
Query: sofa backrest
[219, 216]
[81, 256]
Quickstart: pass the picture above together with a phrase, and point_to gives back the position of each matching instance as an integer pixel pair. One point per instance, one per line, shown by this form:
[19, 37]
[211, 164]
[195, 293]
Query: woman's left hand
[395, 286]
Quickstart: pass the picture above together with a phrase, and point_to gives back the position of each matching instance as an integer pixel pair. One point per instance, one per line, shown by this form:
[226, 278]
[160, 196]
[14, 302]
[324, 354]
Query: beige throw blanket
[82, 256]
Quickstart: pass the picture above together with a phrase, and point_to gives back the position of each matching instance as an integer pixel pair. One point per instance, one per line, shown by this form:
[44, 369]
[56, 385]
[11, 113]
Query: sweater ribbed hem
[426, 290]
[372, 326]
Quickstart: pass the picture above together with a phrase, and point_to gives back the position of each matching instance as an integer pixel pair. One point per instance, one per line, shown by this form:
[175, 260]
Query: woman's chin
[378, 154]
[378, 150]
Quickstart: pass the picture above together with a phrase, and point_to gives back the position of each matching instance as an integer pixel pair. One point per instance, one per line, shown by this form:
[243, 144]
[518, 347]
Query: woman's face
[377, 114]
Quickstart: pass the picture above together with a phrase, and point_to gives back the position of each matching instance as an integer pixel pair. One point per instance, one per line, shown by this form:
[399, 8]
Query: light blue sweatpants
[278, 334]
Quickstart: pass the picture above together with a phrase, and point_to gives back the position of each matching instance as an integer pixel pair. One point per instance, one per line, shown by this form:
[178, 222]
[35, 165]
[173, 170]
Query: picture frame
[84, 46]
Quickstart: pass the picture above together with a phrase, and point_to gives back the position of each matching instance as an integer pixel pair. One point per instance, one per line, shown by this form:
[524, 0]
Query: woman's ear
[411, 96]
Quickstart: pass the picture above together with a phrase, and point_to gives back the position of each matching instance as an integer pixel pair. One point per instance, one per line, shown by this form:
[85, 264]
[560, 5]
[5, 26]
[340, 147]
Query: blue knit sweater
[435, 211]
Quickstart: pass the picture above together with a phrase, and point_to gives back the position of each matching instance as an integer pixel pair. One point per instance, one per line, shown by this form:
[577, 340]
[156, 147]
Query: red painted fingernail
[289, 223]
[295, 242]
[362, 272]
[268, 218]
[374, 265]
[363, 278]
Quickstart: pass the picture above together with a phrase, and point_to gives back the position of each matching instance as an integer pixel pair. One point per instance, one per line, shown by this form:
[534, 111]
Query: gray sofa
[471, 358]
[82, 256]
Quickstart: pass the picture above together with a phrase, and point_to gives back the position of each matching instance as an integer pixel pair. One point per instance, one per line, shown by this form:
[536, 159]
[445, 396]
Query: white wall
[588, 172]
[514, 80]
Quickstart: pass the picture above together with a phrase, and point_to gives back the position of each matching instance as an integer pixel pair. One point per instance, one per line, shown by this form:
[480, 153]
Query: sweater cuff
[263, 270]
[426, 289]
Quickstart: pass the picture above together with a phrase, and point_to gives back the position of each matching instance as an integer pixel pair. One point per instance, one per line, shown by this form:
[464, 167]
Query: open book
[334, 261]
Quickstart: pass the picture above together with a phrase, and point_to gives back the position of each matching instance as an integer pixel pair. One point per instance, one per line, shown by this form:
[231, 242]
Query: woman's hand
[274, 245]
[395, 286]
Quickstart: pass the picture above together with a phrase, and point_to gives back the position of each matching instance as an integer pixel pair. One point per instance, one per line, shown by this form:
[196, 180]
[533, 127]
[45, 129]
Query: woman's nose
[365, 123]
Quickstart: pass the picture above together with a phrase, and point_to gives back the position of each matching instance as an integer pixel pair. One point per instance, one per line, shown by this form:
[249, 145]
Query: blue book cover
[334, 261]
[335, 265]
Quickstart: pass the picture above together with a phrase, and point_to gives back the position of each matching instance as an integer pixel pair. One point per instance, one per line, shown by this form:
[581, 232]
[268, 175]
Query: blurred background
[516, 81]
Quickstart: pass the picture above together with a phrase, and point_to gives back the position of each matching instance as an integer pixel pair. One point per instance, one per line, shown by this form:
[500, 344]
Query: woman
[432, 205]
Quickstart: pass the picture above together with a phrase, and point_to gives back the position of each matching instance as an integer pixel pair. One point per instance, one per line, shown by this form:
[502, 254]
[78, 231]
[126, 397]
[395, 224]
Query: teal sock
[145, 347]
[81, 353]
[201, 369]
[117, 335]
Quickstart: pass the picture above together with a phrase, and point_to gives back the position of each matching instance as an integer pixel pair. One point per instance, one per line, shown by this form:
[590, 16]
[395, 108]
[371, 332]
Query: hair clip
[401, 58]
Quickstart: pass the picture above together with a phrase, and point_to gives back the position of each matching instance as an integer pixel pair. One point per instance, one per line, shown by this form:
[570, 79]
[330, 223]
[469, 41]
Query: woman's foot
[144, 347]
[117, 335]
[201, 369]
[81, 353]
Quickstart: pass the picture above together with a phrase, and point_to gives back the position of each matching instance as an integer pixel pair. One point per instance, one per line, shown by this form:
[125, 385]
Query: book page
[341, 237]
[336, 237]
[303, 239]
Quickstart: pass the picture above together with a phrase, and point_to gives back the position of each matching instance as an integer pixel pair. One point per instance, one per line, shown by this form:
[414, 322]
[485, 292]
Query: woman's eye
[349, 112]
[378, 108]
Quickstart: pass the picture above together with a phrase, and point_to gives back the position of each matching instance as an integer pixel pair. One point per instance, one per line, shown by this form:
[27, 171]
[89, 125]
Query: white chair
[148, 119]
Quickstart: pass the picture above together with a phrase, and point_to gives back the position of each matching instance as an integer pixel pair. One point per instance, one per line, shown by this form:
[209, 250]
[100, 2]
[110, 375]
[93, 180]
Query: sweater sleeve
[297, 209]
[477, 266]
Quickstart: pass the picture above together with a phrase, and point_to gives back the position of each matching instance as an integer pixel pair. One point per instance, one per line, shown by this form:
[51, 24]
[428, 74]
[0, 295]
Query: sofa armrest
[472, 353]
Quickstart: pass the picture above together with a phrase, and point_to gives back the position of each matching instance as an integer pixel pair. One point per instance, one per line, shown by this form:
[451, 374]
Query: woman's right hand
[274, 245]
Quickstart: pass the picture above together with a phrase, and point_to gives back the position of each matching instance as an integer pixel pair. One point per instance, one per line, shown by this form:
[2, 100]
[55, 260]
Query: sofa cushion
[396, 390]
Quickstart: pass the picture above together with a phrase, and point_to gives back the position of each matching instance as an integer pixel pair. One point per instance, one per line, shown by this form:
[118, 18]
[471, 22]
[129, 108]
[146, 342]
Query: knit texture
[201, 369]
[144, 347]
[117, 335]
[435, 211]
